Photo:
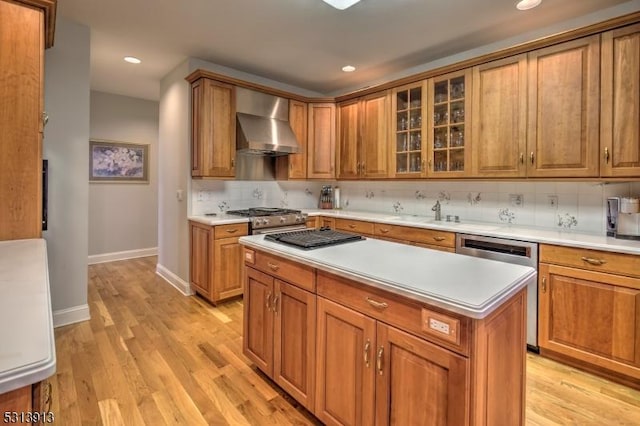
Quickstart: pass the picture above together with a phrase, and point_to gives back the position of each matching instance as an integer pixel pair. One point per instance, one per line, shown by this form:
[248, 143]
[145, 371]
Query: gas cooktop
[262, 211]
[313, 238]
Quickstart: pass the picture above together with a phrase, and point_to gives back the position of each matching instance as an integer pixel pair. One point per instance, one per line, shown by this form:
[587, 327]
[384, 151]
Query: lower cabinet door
[418, 383]
[201, 256]
[295, 342]
[228, 268]
[257, 340]
[345, 382]
[591, 317]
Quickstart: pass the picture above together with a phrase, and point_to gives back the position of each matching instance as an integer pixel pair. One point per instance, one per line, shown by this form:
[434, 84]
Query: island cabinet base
[360, 355]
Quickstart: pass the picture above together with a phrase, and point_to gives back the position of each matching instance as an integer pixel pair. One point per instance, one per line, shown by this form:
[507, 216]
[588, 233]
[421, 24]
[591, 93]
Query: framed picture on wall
[113, 162]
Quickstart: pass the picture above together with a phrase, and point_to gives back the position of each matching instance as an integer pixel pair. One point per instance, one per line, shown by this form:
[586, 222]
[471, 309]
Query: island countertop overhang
[465, 285]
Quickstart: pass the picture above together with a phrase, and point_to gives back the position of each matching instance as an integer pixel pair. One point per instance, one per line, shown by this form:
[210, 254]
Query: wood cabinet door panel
[228, 268]
[374, 141]
[564, 100]
[345, 389]
[201, 257]
[257, 340]
[348, 140]
[499, 128]
[299, 121]
[418, 383]
[620, 113]
[321, 141]
[585, 316]
[295, 342]
[21, 94]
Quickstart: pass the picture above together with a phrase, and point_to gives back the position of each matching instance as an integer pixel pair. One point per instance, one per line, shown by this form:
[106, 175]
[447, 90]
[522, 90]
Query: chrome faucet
[436, 208]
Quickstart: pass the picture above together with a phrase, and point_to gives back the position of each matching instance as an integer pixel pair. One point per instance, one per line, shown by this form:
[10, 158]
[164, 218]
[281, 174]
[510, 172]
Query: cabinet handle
[544, 284]
[606, 155]
[379, 359]
[268, 304]
[45, 120]
[290, 166]
[521, 158]
[352, 226]
[384, 230]
[439, 238]
[232, 231]
[273, 266]
[233, 163]
[531, 156]
[376, 304]
[276, 300]
[363, 167]
[367, 348]
[592, 261]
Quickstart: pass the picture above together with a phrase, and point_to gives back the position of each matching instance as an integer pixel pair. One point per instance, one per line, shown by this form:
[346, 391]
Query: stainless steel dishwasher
[510, 251]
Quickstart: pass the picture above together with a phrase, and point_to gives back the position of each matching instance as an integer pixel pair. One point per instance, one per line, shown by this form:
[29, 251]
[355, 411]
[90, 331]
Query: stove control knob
[299, 218]
[256, 222]
[265, 221]
[282, 219]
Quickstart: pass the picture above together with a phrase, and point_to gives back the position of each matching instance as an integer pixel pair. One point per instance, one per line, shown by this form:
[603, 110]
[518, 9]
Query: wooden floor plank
[151, 356]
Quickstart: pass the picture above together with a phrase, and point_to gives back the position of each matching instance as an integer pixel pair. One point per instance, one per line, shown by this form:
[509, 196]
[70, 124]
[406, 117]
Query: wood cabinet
[279, 333]
[356, 226]
[215, 262]
[31, 400]
[499, 120]
[408, 122]
[429, 238]
[213, 129]
[620, 110]
[321, 141]
[294, 166]
[563, 112]
[326, 222]
[449, 129]
[23, 29]
[363, 137]
[589, 310]
[377, 358]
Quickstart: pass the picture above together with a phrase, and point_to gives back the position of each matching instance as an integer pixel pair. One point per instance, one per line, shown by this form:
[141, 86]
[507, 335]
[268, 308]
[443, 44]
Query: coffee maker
[623, 218]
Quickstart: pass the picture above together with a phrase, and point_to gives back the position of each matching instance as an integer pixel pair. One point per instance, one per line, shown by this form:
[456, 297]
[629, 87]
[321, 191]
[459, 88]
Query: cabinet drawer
[593, 260]
[233, 230]
[417, 235]
[357, 226]
[435, 247]
[427, 322]
[292, 272]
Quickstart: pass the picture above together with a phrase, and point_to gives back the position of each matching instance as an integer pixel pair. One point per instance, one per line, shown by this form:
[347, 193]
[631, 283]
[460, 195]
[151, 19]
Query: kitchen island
[375, 332]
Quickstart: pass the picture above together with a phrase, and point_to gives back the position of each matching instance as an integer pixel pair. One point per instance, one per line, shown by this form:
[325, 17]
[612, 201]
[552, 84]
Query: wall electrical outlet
[516, 200]
[201, 195]
[440, 326]
[553, 201]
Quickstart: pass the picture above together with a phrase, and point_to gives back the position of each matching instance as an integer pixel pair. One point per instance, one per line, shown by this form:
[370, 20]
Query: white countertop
[522, 233]
[27, 349]
[218, 219]
[467, 285]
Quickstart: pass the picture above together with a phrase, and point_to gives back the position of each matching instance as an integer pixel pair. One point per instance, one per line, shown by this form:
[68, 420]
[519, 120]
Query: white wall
[66, 146]
[124, 217]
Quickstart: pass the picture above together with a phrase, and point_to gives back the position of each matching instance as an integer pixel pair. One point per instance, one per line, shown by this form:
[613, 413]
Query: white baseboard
[71, 315]
[122, 255]
[181, 285]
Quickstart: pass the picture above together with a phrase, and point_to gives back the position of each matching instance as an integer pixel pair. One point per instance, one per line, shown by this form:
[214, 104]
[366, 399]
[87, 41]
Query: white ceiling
[299, 42]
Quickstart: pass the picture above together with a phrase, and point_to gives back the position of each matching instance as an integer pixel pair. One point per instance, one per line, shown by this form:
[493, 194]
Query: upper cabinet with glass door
[408, 131]
[448, 129]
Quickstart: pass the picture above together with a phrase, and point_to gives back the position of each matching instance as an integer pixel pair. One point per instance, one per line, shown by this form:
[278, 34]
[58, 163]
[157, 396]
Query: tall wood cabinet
[213, 129]
[620, 111]
[564, 104]
[499, 125]
[26, 28]
[589, 310]
[294, 166]
[363, 137]
[321, 141]
[215, 260]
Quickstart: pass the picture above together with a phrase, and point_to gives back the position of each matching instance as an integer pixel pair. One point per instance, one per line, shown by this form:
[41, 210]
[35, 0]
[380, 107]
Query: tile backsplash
[576, 206]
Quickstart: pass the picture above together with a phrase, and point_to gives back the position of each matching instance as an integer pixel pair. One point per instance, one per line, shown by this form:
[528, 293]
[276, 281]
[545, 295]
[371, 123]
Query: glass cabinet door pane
[401, 163]
[402, 100]
[415, 121]
[457, 136]
[403, 121]
[457, 88]
[401, 142]
[457, 160]
[415, 162]
[457, 112]
[440, 161]
[440, 139]
[415, 141]
[441, 92]
[440, 115]
[416, 97]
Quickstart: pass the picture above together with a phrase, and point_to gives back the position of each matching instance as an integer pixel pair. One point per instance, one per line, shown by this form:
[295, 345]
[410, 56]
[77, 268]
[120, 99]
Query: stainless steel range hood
[263, 124]
[262, 134]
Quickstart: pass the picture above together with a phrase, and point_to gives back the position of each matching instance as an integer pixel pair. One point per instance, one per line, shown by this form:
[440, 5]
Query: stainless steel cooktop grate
[313, 238]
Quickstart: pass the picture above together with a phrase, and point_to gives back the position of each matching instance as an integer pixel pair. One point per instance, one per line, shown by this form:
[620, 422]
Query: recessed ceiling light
[341, 4]
[527, 4]
[348, 68]
[132, 59]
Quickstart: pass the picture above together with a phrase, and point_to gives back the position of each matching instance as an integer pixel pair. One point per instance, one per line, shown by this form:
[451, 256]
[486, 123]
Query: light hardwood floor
[150, 356]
